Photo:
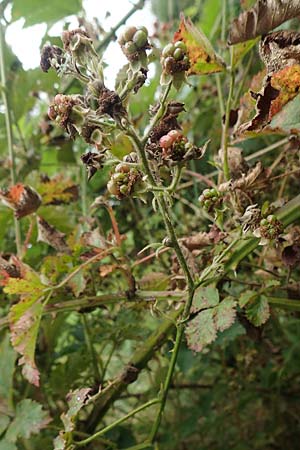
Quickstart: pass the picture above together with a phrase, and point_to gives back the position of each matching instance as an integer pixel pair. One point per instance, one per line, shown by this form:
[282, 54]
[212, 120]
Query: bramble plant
[136, 289]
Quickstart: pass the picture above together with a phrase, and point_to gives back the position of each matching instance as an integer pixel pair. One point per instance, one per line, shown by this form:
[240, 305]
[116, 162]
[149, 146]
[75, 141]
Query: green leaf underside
[202, 330]
[288, 119]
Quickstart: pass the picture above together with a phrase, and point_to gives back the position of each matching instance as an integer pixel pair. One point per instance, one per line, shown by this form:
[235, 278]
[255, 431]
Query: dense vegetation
[150, 239]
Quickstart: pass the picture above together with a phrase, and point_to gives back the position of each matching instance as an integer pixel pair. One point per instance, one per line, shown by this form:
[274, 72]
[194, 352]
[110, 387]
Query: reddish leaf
[24, 200]
[202, 57]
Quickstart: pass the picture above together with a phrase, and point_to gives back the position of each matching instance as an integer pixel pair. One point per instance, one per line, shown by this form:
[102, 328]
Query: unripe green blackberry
[264, 222]
[140, 38]
[112, 187]
[128, 33]
[168, 50]
[130, 47]
[178, 54]
[210, 199]
[181, 45]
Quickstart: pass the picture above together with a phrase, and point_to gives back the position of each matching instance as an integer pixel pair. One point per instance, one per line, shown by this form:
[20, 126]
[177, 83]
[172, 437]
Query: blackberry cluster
[270, 227]
[174, 58]
[125, 181]
[134, 43]
[210, 199]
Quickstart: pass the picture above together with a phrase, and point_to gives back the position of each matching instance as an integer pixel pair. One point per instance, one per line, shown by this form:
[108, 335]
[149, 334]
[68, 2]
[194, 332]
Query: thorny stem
[9, 132]
[160, 112]
[116, 423]
[166, 215]
[225, 137]
[175, 180]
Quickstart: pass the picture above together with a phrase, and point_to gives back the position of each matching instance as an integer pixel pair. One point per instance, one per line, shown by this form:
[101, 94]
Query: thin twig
[9, 132]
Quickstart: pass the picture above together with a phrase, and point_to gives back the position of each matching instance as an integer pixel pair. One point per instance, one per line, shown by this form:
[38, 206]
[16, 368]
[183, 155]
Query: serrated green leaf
[225, 313]
[205, 297]
[258, 311]
[29, 419]
[245, 298]
[201, 331]
[271, 283]
[35, 11]
[7, 368]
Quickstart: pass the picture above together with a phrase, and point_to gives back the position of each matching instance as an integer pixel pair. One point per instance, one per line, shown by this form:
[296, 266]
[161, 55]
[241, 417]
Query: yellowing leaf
[58, 190]
[202, 57]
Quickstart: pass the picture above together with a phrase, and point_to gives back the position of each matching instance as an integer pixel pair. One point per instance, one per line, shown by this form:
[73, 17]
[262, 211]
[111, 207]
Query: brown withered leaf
[203, 239]
[9, 269]
[280, 49]
[51, 236]
[262, 18]
[256, 178]
[291, 255]
[23, 199]
[264, 99]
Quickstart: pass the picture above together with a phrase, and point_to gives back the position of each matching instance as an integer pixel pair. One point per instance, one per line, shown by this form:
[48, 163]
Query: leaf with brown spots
[48, 234]
[24, 319]
[23, 199]
[202, 57]
[58, 190]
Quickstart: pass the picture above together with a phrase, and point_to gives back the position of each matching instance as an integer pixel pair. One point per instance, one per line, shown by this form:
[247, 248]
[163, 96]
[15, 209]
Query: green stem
[159, 113]
[284, 303]
[220, 96]
[9, 132]
[116, 423]
[171, 368]
[175, 180]
[90, 346]
[225, 137]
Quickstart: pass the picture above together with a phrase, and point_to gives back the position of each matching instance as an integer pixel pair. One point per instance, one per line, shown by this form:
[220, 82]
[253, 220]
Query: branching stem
[225, 137]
